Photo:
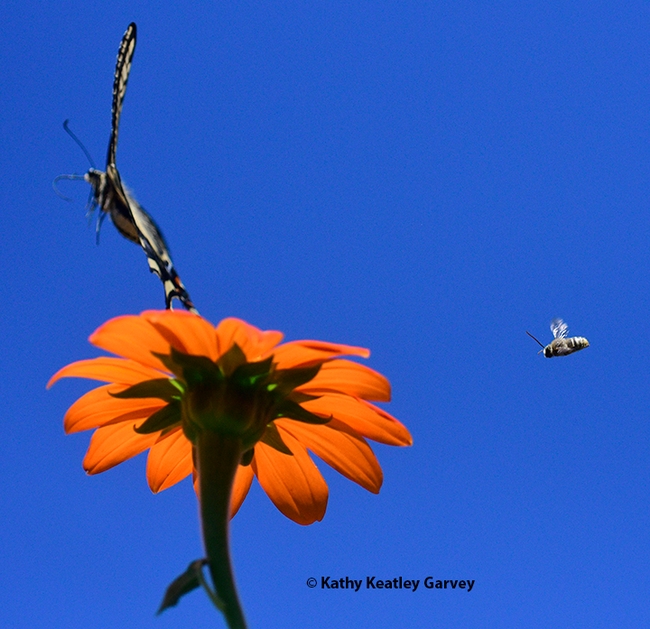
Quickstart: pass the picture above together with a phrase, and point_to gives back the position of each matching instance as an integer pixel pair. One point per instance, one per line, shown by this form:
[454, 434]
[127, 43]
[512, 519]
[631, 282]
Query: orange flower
[177, 373]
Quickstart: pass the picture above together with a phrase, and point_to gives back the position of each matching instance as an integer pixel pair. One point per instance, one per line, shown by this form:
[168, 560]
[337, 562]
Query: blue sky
[428, 180]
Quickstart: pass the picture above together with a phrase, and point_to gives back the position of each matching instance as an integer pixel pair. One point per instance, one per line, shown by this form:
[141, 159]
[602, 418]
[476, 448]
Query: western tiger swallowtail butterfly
[112, 198]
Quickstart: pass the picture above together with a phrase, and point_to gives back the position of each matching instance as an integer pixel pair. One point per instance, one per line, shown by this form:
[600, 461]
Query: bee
[561, 345]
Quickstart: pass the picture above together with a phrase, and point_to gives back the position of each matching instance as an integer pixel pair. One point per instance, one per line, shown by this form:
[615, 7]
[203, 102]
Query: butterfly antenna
[79, 143]
[58, 192]
[532, 337]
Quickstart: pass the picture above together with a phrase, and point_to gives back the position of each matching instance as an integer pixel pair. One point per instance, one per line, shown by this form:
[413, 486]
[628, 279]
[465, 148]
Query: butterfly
[112, 198]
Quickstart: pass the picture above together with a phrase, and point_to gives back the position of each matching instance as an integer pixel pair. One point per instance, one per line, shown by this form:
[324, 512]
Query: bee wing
[559, 329]
[122, 69]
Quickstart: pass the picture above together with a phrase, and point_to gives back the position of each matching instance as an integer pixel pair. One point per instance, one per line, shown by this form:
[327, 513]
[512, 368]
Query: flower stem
[217, 460]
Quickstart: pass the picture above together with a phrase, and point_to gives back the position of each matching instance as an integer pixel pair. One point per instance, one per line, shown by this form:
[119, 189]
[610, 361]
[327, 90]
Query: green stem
[217, 460]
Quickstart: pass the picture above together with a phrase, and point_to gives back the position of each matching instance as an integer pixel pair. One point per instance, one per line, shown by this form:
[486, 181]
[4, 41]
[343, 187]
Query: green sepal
[166, 360]
[299, 397]
[231, 360]
[160, 388]
[273, 438]
[247, 457]
[166, 417]
[291, 410]
[250, 373]
[193, 369]
[196, 368]
[185, 583]
[286, 380]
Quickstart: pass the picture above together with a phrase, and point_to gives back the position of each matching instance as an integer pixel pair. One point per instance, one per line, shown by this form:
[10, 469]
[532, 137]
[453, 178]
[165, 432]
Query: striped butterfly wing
[108, 193]
[115, 200]
[122, 71]
[160, 262]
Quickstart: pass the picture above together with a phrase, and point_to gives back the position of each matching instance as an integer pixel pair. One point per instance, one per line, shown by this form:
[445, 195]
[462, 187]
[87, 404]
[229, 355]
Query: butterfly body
[114, 200]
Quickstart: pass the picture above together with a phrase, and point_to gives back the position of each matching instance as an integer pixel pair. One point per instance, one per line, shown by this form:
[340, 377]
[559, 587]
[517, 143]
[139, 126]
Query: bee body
[561, 345]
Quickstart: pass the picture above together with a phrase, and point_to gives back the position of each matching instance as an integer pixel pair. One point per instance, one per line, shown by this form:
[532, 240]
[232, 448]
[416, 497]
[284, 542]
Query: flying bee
[561, 345]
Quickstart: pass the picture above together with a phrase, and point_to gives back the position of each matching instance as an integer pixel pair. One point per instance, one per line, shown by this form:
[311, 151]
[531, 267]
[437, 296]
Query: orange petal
[107, 369]
[340, 447]
[187, 332]
[293, 483]
[303, 353]
[255, 343]
[98, 408]
[344, 376]
[367, 419]
[169, 460]
[241, 485]
[112, 445]
[133, 337]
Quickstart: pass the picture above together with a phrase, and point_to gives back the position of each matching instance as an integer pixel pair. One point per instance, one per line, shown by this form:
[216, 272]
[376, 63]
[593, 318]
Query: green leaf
[185, 583]
[164, 418]
[290, 409]
[160, 388]
[273, 438]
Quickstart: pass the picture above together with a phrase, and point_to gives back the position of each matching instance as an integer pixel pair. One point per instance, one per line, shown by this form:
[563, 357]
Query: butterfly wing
[160, 262]
[108, 192]
[122, 70]
[118, 203]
